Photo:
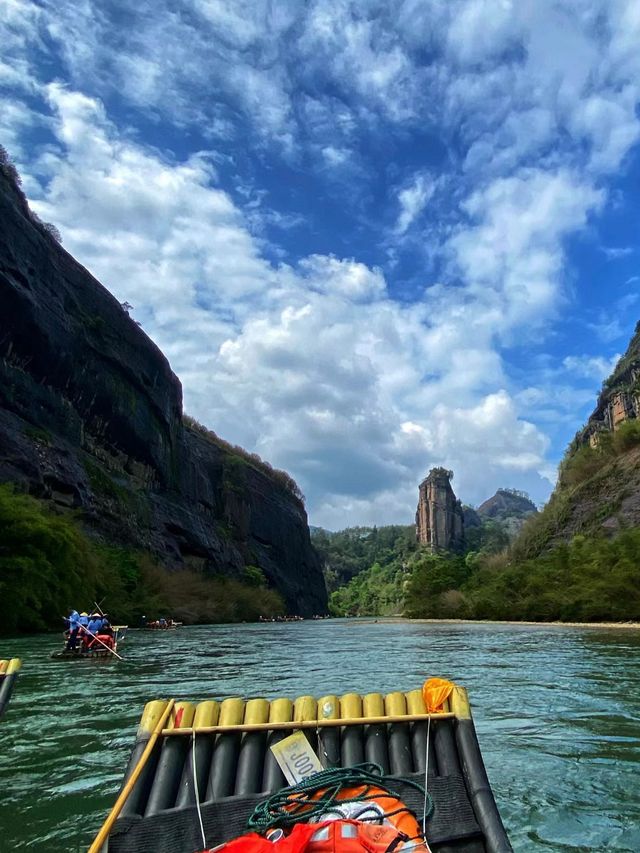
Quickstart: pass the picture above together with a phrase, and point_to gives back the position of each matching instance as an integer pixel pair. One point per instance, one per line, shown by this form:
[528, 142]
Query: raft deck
[235, 768]
[8, 674]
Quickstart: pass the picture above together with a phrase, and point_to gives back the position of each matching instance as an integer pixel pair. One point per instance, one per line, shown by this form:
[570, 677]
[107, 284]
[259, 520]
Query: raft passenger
[95, 623]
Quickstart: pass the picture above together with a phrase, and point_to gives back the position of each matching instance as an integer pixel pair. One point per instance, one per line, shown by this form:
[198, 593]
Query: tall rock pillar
[439, 517]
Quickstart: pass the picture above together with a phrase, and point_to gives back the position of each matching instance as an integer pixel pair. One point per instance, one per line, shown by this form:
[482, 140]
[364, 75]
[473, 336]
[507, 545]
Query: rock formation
[439, 517]
[598, 489]
[619, 400]
[91, 419]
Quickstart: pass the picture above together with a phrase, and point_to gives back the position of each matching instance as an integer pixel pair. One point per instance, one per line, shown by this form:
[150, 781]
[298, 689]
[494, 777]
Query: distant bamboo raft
[8, 674]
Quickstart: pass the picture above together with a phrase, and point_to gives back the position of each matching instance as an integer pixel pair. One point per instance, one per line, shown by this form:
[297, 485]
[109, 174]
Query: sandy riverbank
[615, 625]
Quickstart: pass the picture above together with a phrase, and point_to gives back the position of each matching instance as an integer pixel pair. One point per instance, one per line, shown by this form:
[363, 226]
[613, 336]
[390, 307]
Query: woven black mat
[178, 830]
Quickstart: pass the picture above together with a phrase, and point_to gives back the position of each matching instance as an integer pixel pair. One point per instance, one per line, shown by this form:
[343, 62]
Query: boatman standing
[73, 621]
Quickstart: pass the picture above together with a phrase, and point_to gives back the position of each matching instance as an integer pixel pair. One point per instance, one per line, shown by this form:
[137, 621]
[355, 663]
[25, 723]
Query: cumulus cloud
[314, 366]
[318, 363]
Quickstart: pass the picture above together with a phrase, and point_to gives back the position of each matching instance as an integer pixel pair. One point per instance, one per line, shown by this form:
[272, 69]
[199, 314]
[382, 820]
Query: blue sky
[370, 237]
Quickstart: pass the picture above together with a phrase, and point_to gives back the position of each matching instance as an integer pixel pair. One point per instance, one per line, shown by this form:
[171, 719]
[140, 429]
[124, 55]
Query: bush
[46, 564]
[590, 579]
[582, 465]
[377, 591]
[433, 580]
[626, 437]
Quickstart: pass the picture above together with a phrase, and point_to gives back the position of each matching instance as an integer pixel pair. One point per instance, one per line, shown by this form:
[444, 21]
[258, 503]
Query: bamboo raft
[8, 675]
[222, 751]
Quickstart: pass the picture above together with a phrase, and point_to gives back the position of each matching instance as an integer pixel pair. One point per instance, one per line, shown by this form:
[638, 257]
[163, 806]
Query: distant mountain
[507, 503]
[497, 521]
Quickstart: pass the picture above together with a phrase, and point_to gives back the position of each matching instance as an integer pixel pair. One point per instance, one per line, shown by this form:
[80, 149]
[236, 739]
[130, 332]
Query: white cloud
[335, 156]
[591, 367]
[607, 329]
[413, 199]
[315, 366]
[511, 255]
[616, 252]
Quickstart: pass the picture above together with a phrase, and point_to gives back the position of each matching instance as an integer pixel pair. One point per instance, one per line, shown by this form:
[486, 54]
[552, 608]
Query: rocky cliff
[619, 400]
[91, 419]
[439, 516]
[598, 489]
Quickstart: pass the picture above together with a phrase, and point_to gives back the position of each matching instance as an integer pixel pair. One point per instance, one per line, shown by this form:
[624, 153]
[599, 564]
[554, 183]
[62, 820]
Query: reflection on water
[557, 711]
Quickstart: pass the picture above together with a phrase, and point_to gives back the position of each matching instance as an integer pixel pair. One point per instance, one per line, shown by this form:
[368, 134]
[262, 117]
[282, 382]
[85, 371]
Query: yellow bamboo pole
[309, 724]
[101, 837]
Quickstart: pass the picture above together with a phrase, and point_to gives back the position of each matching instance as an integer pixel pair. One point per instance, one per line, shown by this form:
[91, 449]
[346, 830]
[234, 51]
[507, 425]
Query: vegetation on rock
[238, 455]
[8, 169]
[47, 564]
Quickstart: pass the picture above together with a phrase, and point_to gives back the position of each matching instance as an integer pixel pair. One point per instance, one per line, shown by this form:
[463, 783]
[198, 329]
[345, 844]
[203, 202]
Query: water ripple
[557, 711]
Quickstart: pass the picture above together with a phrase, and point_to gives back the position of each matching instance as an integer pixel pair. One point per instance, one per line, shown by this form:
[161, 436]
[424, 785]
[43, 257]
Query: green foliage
[47, 564]
[433, 587]
[489, 538]
[196, 598]
[377, 591]
[585, 470]
[254, 576]
[584, 463]
[101, 483]
[590, 579]
[234, 474]
[365, 568]
[540, 528]
[349, 552]
[626, 437]
[42, 436]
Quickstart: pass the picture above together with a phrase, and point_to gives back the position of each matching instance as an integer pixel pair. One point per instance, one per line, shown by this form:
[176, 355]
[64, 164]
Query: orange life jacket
[332, 836]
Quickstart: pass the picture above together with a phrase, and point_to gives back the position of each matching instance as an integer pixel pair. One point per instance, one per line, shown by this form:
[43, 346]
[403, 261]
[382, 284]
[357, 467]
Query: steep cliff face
[439, 517]
[91, 419]
[619, 400]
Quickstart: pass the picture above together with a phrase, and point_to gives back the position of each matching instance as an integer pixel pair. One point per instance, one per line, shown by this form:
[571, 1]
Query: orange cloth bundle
[435, 692]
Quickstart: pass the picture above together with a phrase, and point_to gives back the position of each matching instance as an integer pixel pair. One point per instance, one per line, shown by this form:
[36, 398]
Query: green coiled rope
[297, 803]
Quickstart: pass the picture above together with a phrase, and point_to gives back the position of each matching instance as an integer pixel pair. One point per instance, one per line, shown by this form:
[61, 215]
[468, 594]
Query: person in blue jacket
[95, 623]
[73, 622]
[93, 628]
[83, 619]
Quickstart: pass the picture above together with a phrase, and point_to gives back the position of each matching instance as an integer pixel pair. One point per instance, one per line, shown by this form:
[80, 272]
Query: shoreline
[397, 619]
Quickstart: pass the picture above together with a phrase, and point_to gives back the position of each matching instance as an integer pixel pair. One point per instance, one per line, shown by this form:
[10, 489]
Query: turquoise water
[557, 712]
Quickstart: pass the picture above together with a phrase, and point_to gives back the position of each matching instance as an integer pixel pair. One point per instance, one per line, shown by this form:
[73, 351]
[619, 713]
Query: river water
[557, 711]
